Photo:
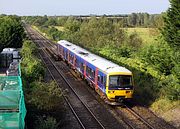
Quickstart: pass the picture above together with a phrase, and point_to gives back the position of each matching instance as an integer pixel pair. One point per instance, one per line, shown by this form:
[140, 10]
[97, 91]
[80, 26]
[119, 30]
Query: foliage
[40, 96]
[171, 87]
[28, 49]
[45, 96]
[46, 123]
[160, 56]
[32, 68]
[171, 29]
[12, 32]
[41, 21]
[134, 40]
[144, 20]
[54, 33]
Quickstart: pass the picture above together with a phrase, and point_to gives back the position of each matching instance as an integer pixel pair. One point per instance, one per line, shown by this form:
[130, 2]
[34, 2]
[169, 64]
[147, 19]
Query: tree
[171, 30]
[11, 32]
[146, 19]
[45, 96]
[119, 35]
[132, 19]
[41, 20]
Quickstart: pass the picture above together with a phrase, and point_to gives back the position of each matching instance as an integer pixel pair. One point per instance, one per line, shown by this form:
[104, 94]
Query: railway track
[77, 106]
[151, 118]
[128, 115]
[132, 118]
[82, 111]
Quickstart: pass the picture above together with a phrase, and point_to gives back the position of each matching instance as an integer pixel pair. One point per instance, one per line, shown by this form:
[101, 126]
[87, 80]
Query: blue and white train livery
[113, 82]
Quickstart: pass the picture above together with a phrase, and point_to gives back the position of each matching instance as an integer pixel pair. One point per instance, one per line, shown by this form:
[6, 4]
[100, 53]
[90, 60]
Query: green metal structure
[12, 104]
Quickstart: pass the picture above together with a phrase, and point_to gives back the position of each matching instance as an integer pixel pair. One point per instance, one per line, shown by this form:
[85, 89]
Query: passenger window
[87, 70]
[102, 80]
[82, 66]
[92, 73]
[99, 78]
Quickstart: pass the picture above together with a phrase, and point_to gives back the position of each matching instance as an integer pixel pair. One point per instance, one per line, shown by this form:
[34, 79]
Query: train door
[102, 81]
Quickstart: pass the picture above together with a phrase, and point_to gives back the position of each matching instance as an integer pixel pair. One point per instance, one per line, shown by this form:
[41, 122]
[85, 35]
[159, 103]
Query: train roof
[99, 62]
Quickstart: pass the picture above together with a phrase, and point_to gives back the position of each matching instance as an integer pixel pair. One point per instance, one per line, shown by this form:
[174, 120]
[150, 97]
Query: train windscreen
[120, 82]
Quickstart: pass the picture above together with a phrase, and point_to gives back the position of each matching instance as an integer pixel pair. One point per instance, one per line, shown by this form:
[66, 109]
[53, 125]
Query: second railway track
[94, 117]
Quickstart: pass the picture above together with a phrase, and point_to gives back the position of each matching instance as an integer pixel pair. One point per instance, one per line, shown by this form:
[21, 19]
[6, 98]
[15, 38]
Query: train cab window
[120, 81]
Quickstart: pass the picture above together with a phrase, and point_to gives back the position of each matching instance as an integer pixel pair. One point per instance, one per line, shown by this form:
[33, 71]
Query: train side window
[99, 77]
[66, 54]
[90, 73]
[93, 73]
[87, 70]
[81, 66]
[63, 52]
[102, 80]
[77, 62]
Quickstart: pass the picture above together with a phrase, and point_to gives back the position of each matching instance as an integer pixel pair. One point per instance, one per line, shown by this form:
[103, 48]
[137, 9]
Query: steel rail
[67, 82]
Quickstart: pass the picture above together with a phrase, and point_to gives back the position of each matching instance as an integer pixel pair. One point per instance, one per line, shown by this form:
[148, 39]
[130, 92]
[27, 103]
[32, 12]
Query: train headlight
[127, 92]
[110, 91]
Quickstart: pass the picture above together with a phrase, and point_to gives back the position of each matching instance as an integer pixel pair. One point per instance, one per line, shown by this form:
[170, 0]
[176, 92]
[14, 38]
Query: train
[112, 82]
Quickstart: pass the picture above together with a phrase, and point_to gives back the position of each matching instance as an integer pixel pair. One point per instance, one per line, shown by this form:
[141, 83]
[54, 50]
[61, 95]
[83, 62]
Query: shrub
[32, 68]
[134, 40]
[159, 56]
[45, 96]
[46, 123]
[28, 49]
[170, 87]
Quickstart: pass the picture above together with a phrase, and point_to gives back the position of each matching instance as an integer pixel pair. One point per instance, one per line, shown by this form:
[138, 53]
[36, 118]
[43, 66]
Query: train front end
[119, 87]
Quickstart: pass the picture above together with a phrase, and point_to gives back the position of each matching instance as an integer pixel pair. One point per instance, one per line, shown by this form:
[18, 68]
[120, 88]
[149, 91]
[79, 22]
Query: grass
[44, 34]
[163, 105]
[60, 28]
[148, 35]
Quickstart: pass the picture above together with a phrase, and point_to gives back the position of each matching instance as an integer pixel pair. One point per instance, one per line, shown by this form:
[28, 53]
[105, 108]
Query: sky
[81, 7]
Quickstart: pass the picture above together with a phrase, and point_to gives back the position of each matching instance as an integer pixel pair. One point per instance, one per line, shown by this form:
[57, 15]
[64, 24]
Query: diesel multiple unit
[113, 82]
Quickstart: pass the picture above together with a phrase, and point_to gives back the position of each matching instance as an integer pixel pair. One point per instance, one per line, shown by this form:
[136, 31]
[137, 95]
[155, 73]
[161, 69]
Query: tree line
[131, 20]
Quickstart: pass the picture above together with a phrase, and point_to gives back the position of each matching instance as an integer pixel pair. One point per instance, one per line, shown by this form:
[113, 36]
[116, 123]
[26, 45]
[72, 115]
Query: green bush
[134, 40]
[45, 96]
[32, 67]
[46, 123]
[28, 49]
[159, 56]
[170, 87]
